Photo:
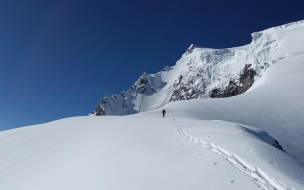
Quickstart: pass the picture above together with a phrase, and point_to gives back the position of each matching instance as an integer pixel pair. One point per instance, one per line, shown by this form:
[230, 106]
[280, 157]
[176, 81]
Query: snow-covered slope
[139, 152]
[205, 72]
[208, 143]
[274, 105]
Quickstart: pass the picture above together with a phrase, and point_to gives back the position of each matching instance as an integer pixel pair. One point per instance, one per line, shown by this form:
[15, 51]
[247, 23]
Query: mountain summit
[201, 73]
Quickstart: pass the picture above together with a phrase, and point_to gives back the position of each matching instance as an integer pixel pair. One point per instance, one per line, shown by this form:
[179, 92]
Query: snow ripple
[259, 177]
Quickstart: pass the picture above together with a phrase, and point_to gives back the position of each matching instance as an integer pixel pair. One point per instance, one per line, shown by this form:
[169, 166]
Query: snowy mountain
[251, 141]
[201, 73]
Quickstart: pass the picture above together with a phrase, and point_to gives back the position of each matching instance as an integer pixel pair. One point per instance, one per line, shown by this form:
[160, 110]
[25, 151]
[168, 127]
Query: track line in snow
[258, 176]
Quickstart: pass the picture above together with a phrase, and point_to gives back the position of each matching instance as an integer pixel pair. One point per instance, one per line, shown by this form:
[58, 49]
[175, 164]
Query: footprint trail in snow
[258, 176]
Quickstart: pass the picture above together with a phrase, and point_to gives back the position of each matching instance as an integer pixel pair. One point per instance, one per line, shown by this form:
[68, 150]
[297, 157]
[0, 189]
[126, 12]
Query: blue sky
[58, 58]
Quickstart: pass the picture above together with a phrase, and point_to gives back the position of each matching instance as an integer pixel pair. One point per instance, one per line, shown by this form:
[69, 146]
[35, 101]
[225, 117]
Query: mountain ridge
[251, 141]
[200, 73]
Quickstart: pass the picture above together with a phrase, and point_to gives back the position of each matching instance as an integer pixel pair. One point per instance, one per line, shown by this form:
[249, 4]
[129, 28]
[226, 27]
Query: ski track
[258, 176]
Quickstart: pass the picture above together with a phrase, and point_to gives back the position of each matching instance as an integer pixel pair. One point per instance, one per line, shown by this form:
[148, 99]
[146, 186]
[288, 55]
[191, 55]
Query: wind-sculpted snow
[205, 72]
[258, 176]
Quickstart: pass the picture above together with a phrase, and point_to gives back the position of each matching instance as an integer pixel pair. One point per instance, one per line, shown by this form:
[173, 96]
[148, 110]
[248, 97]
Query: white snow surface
[138, 152]
[216, 144]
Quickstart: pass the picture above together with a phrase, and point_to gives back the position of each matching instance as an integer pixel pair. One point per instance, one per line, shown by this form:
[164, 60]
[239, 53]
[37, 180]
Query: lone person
[164, 112]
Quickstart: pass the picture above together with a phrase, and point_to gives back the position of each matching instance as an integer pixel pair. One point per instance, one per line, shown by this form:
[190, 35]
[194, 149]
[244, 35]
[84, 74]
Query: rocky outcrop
[188, 87]
[142, 85]
[120, 104]
[199, 73]
[245, 81]
[98, 111]
[190, 49]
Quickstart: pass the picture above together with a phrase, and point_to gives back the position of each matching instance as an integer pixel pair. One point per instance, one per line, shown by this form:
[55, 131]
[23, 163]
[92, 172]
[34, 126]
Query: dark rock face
[98, 111]
[142, 86]
[185, 88]
[246, 80]
[216, 93]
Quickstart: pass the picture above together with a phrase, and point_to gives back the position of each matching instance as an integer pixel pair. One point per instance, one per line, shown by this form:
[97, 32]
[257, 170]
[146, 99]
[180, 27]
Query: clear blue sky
[58, 58]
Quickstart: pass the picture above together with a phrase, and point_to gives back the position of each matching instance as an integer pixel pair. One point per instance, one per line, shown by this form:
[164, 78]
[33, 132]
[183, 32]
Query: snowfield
[144, 153]
[204, 143]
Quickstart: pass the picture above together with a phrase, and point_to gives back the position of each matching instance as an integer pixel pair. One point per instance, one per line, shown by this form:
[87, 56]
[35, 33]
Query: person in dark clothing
[164, 112]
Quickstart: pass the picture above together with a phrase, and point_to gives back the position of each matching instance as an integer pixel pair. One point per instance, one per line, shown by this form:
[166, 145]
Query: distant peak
[191, 46]
[190, 49]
